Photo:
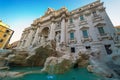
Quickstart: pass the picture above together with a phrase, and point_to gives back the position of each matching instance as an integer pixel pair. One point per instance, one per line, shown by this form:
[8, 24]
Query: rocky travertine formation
[7, 75]
[38, 59]
[35, 57]
[2, 61]
[83, 59]
[55, 65]
[105, 65]
[18, 58]
[46, 55]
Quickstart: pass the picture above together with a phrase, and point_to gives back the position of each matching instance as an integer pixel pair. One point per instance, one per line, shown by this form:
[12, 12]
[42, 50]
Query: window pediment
[100, 24]
[71, 30]
[84, 27]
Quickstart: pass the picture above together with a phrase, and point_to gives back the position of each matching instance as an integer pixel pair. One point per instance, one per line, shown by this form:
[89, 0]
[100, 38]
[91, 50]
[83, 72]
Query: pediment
[71, 30]
[99, 24]
[84, 27]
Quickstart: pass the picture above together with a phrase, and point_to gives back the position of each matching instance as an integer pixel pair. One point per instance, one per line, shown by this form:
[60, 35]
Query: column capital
[53, 21]
[66, 20]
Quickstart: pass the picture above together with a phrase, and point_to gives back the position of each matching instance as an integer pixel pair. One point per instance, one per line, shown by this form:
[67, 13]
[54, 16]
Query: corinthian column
[36, 36]
[52, 31]
[62, 30]
[30, 35]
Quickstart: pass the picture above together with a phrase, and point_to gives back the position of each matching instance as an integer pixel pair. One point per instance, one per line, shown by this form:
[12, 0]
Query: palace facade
[87, 27]
[117, 28]
[5, 34]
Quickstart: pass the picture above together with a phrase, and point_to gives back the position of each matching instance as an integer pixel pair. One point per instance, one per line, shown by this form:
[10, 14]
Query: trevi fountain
[65, 45]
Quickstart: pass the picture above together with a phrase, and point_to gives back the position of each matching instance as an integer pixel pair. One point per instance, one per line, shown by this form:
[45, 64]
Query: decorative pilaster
[30, 35]
[78, 32]
[23, 40]
[62, 30]
[36, 37]
[52, 31]
[20, 43]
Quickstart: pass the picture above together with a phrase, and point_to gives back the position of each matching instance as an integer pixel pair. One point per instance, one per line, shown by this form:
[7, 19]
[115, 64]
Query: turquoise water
[24, 69]
[73, 74]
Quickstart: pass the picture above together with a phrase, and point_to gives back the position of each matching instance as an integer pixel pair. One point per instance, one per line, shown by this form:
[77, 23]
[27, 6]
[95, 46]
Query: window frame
[101, 30]
[5, 35]
[7, 31]
[71, 20]
[94, 13]
[107, 49]
[73, 35]
[84, 36]
[1, 40]
[81, 18]
[72, 49]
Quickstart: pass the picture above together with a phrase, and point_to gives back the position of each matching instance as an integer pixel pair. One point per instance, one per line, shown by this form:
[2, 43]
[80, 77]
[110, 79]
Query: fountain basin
[33, 74]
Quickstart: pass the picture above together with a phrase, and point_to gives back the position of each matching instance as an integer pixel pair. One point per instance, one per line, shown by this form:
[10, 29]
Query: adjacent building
[117, 28]
[5, 34]
[87, 27]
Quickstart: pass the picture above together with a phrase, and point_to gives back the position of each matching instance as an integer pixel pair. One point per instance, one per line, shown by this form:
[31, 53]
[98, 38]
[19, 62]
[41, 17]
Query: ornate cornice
[51, 15]
[83, 27]
[89, 7]
[71, 30]
[100, 24]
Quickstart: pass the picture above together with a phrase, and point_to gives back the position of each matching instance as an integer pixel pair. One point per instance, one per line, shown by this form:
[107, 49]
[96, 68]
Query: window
[72, 49]
[101, 31]
[88, 47]
[108, 50]
[94, 13]
[7, 31]
[71, 35]
[81, 17]
[4, 35]
[71, 20]
[85, 33]
[1, 40]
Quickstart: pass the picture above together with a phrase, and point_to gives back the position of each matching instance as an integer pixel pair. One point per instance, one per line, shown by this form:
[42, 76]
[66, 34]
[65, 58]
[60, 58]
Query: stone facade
[88, 27]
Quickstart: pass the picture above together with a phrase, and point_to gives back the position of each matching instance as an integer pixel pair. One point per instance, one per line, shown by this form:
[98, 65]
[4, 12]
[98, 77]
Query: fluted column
[78, 32]
[23, 40]
[62, 30]
[36, 36]
[29, 38]
[20, 43]
[52, 31]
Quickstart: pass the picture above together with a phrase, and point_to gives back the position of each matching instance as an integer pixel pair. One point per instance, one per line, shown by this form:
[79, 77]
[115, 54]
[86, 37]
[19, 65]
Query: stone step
[4, 68]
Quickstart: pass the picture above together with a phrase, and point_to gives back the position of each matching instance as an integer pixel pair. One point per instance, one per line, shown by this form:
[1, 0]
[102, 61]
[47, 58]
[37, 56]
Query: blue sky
[19, 14]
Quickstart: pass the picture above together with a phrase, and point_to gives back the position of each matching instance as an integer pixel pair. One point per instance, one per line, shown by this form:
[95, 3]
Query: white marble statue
[58, 37]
